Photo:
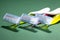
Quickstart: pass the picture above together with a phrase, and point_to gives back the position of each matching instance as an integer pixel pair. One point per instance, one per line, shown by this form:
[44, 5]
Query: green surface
[17, 7]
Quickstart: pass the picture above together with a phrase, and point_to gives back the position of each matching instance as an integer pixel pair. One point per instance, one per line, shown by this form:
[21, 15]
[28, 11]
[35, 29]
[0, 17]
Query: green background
[17, 7]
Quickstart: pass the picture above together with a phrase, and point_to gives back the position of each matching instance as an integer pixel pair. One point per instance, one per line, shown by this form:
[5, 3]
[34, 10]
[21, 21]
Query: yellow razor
[55, 19]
